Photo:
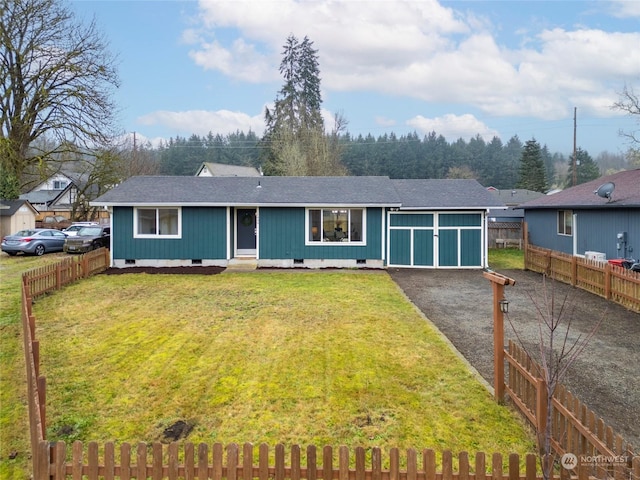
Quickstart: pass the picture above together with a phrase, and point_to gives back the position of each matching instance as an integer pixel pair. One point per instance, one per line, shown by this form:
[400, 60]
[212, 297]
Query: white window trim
[156, 208]
[362, 242]
[566, 212]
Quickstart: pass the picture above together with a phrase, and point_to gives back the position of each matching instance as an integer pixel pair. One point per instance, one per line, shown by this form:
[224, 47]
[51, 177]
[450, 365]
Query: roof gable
[9, 207]
[625, 195]
[210, 169]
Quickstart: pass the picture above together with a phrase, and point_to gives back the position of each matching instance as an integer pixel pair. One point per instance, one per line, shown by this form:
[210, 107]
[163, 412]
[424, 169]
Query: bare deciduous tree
[56, 80]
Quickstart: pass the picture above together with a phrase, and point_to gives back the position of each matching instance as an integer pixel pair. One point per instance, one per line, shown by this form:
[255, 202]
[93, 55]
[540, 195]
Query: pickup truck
[53, 221]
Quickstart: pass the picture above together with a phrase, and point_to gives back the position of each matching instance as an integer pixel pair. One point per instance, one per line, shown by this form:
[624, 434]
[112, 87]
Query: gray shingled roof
[300, 191]
[9, 207]
[444, 194]
[625, 195]
[255, 191]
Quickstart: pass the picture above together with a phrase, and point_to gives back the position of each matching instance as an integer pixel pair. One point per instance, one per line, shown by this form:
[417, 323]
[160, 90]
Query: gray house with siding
[579, 222]
[313, 222]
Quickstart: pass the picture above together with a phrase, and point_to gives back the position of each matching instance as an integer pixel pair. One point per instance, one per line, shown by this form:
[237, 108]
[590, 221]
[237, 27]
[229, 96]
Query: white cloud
[453, 126]
[201, 122]
[426, 51]
[625, 8]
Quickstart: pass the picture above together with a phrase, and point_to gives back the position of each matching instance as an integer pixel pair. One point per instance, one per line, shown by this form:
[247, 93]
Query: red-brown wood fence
[574, 428]
[191, 462]
[609, 281]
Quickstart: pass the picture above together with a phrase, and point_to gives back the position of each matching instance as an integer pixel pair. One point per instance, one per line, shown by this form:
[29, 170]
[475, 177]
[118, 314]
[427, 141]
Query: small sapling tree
[556, 352]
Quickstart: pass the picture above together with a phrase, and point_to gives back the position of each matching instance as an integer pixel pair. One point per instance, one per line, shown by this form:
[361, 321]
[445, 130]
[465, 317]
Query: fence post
[541, 405]
[574, 271]
[58, 275]
[85, 266]
[607, 281]
[42, 400]
[498, 282]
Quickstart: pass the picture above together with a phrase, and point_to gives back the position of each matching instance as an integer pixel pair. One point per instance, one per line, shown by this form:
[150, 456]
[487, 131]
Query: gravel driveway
[606, 376]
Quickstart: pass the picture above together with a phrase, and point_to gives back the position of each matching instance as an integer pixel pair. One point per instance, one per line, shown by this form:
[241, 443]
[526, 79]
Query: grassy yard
[506, 259]
[309, 358]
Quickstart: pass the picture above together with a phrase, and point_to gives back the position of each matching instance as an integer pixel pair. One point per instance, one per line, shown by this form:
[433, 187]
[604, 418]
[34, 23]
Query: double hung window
[157, 222]
[332, 225]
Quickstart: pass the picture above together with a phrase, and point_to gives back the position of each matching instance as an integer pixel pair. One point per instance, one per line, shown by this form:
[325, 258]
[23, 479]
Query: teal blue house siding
[204, 234]
[282, 236]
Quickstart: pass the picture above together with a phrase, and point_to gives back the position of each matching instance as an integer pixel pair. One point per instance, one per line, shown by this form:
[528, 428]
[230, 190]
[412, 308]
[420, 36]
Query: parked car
[88, 238]
[58, 222]
[72, 231]
[36, 241]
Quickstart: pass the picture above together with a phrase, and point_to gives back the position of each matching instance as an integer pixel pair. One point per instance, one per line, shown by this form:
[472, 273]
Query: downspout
[110, 210]
[485, 239]
[574, 231]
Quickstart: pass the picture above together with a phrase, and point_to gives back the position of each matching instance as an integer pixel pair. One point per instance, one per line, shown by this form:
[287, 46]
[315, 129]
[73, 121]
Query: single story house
[312, 222]
[16, 215]
[585, 220]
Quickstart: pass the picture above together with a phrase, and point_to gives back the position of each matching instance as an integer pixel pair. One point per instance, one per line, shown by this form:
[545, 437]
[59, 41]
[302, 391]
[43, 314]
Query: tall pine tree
[295, 142]
[532, 170]
[586, 168]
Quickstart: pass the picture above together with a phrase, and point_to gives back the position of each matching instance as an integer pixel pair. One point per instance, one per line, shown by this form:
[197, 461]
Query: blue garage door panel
[470, 248]
[411, 220]
[400, 247]
[423, 248]
[448, 248]
[460, 219]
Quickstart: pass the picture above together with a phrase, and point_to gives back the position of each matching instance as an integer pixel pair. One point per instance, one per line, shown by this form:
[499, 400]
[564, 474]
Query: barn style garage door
[435, 240]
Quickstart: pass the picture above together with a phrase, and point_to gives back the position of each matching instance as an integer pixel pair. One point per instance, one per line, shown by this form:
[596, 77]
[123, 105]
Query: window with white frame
[157, 222]
[344, 225]
[565, 222]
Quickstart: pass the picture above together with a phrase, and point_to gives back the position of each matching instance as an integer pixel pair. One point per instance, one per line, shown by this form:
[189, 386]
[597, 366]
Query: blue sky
[459, 68]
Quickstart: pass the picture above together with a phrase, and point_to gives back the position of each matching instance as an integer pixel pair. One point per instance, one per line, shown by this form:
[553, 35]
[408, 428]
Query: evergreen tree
[295, 142]
[586, 170]
[532, 171]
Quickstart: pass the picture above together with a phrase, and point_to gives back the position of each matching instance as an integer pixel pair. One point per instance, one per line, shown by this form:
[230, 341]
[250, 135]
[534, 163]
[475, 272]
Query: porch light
[504, 305]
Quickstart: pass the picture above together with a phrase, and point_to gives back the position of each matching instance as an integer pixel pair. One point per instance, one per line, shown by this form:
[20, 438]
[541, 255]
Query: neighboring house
[298, 221]
[577, 220]
[56, 194]
[209, 169]
[16, 215]
[505, 226]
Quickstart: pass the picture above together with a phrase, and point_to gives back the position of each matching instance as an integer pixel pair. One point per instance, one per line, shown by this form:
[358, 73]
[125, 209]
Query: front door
[246, 230]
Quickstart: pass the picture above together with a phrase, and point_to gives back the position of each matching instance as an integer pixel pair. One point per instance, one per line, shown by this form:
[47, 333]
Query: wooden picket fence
[54, 276]
[574, 428]
[609, 281]
[191, 462]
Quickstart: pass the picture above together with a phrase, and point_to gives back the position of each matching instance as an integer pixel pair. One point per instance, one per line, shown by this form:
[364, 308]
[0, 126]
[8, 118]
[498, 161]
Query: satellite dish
[605, 190]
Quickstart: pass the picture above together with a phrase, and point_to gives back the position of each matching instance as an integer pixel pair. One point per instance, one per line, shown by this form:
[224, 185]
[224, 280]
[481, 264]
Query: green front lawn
[336, 358]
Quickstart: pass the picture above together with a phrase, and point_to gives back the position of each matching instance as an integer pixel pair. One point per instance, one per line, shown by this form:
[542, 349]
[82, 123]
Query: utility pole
[575, 160]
